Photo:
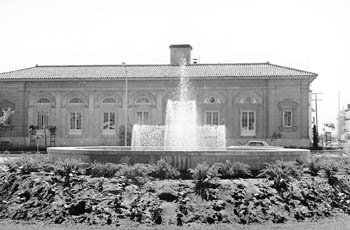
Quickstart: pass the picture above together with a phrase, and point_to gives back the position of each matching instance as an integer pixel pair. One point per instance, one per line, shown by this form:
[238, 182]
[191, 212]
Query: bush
[28, 164]
[104, 170]
[163, 170]
[315, 165]
[206, 179]
[282, 173]
[233, 170]
[67, 169]
[326, 167]
[137, 173]
[68, 166]
[203, 171]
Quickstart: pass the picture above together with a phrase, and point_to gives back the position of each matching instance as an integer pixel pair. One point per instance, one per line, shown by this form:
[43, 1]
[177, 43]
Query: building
[86, 103]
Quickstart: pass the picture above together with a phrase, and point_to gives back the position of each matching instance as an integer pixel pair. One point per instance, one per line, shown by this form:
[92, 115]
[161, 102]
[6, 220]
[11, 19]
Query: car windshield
[254, 143]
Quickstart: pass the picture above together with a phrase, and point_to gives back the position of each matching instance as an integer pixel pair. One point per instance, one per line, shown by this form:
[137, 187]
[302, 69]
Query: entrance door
[248, 123]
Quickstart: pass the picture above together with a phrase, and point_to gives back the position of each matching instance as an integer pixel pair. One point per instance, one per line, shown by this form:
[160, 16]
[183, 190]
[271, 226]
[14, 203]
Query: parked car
[257, 143]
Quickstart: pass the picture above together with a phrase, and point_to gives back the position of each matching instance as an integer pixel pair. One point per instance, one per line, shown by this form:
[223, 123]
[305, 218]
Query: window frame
[142, 122]
[42, 119]
[287, 111]
[138, 100]
[247, 131]
[108, 130]
[76, 100]
[109, 101]
[43, 101]
[212, 117]
[75, 130]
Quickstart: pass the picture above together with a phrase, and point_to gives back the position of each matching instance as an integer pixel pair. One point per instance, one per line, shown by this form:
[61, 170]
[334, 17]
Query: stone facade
[89, 110]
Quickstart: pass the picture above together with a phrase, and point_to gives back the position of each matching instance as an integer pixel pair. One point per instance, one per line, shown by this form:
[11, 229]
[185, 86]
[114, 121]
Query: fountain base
[181, 159]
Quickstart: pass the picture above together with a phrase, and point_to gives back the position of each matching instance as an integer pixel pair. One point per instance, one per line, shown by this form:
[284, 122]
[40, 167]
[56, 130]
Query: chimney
[180, 53]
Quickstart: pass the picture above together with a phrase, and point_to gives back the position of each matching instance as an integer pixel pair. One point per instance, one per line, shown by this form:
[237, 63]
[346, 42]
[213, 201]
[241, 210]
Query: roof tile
[195, 71]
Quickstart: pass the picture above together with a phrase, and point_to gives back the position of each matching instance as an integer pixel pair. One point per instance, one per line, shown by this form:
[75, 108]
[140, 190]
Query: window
[75, 119]
[212, 118]
[143, 100]
[287, 118]
[76, 100]
[42, 119]
[142, 118]
[108, 121]
[248, 123]
[109, 100]
[43, 100]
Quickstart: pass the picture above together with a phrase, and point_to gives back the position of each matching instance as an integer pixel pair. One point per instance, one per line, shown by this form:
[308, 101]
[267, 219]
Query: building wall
[268, 98]
[12, 95]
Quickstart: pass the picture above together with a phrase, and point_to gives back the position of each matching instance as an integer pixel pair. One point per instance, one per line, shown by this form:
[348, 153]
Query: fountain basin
[256, 157]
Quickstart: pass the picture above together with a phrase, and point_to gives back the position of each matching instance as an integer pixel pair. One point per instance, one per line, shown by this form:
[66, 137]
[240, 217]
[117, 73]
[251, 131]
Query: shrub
[137, 173]
[28, 164]
[230, 170]
[315, 165]
[98, 169]
[282, 173]
[206, 179]
[326, 167]
[67, 169]
[203, 171]
[163, 170]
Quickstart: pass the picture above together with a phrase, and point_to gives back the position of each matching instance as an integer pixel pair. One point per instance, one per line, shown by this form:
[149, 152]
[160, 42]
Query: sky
[312, 35]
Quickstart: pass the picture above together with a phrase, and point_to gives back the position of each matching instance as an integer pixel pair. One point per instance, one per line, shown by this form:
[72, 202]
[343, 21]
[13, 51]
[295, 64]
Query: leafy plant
[282, 173]
[163, 170]
[315, 165]
[137, 173]
[203, 171]
[229, 170]
[98, 169]
[28, 164]
[67, 169]
[206, 179]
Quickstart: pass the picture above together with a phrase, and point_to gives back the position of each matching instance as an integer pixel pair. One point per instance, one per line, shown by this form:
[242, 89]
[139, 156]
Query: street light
[126, 106]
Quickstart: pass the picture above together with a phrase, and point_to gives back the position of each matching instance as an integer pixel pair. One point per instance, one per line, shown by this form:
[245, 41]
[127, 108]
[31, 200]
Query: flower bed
[32, 189]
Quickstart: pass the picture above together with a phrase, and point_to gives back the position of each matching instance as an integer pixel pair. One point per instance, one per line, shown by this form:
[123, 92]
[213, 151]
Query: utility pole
[126, 106]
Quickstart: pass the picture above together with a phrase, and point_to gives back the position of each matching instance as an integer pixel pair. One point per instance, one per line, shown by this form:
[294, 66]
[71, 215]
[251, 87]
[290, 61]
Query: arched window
[109, 100]
[143, 100]
[43, 100]
[76, 100]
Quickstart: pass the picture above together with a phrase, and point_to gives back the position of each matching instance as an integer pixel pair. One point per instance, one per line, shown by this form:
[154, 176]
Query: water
[181, 130]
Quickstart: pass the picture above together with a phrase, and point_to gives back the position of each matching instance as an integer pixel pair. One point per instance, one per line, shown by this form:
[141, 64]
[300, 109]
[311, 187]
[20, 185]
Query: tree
[315, 138]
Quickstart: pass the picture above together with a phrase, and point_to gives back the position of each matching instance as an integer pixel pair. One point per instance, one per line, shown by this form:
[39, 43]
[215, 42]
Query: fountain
[181, 141]
[181, 130]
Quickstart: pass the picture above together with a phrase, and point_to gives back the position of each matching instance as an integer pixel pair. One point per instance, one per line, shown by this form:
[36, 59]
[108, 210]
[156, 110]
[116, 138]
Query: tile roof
[195, 71]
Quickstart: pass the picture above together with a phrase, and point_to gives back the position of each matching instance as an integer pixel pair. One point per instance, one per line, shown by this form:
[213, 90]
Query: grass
[336, 223]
